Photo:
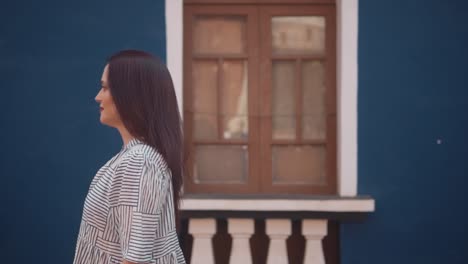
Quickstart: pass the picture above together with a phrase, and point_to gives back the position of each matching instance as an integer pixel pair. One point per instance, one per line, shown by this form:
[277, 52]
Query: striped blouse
[129, 211]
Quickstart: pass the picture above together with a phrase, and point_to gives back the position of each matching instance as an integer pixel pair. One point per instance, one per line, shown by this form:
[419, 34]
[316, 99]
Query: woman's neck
[126, 136]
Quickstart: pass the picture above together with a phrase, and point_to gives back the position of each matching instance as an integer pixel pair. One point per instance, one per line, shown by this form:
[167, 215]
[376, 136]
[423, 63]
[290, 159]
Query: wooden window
[259, 97]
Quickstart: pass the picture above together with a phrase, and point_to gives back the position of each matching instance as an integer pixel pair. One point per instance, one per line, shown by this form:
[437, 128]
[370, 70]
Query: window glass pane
[234, 99]
[205, 126]
[204, 84]
[283, 104]
[313, 105]
[221, 164]
[219, 34]
[298, 34]
[298, 165]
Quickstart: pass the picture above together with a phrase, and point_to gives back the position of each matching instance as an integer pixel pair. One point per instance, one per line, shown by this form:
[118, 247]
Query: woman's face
[109, 114]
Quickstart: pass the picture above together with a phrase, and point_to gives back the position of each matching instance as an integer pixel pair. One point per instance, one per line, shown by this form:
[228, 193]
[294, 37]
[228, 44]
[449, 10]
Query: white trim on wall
[285, 205]
[347, 82]
[347, 87]
[174, 46]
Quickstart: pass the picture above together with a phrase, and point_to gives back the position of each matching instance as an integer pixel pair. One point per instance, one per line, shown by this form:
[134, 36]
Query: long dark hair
[144, 96]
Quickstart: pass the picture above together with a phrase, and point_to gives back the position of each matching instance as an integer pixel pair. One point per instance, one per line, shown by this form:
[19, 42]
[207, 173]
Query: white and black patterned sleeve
[140, 198]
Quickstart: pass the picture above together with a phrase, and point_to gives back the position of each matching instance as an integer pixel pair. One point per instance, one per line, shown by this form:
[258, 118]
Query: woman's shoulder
[144, 154]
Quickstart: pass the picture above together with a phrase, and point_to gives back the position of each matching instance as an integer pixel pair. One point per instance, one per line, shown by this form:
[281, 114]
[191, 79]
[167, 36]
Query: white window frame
[347, 82]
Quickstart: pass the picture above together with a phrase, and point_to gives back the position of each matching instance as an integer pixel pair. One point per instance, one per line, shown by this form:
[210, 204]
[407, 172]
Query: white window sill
[330, 204]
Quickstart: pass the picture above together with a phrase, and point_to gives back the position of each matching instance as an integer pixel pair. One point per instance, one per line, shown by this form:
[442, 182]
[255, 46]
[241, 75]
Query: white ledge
[286, 205]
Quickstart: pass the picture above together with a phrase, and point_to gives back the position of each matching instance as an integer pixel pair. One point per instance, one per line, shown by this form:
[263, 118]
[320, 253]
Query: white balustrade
[241, 230]
[278, 230]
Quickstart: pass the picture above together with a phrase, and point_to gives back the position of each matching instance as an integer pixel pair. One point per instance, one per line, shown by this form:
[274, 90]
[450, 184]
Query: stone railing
[240, 213]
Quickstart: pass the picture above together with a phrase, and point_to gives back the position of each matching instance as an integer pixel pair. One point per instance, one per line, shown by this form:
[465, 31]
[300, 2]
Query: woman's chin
[103, 120]
[107, 122]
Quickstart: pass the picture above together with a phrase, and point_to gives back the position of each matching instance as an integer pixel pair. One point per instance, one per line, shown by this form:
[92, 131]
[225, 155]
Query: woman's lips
[101, 108]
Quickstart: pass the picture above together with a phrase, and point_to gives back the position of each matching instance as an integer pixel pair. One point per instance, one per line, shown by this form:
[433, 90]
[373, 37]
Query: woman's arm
[141, 197]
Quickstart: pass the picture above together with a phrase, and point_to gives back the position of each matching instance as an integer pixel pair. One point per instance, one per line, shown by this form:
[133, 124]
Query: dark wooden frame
[259, 95]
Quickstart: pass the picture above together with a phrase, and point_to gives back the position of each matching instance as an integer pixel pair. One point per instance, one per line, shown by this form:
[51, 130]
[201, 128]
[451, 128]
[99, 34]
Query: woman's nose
[97, 98]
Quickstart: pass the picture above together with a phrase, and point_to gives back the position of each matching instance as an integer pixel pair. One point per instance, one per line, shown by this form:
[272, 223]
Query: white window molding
[174, 46]
[347, 82]
[347, 87]
[345, 205]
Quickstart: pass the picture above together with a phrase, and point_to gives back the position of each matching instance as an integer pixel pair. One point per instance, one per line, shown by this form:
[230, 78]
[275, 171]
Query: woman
[130, 211]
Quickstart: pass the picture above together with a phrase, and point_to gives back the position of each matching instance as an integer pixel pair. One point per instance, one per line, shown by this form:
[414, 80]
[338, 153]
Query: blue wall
[51, 58]
[413, 91]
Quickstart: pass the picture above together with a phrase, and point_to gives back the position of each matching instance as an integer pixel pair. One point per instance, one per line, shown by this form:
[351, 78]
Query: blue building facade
[411, 132]
[412, 123]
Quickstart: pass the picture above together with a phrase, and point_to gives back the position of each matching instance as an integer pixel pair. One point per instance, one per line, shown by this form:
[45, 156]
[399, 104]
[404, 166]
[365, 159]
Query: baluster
[314, 231]
[202, 231]
[241, 230]
[278, 230]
